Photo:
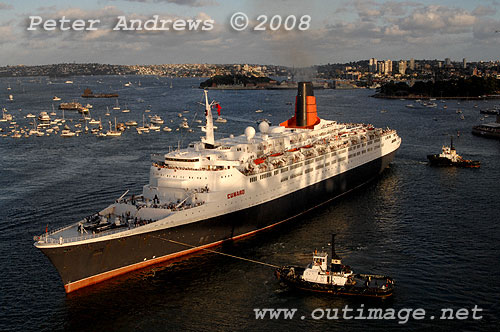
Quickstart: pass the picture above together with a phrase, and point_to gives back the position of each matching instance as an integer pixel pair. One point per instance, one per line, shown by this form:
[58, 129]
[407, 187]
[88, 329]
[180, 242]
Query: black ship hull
[81, 265]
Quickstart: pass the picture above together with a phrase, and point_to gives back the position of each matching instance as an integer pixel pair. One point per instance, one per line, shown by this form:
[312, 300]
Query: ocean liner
[219, 190]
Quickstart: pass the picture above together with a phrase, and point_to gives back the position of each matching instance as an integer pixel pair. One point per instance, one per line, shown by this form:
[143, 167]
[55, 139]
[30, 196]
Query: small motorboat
[336, 279]
[156, 119]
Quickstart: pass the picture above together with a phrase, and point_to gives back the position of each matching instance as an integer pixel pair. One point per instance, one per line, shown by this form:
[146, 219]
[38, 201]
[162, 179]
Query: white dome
[277, 129]
[263, 127]
[249, 132]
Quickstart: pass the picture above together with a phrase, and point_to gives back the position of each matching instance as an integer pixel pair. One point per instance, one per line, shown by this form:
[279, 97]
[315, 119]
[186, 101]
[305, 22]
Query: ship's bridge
[191, 160]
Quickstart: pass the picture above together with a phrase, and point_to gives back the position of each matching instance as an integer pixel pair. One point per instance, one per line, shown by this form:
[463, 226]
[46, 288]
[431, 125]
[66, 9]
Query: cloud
[190, 3]
[484, 11]
[435, 18]
[486, 30]
[6, 34]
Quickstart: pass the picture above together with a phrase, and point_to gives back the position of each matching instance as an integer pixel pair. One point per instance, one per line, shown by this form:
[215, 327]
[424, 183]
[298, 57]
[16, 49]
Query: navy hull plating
[85, 264]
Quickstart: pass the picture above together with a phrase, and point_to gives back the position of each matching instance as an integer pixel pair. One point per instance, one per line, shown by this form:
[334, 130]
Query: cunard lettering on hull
[236, 193]
[218, 190]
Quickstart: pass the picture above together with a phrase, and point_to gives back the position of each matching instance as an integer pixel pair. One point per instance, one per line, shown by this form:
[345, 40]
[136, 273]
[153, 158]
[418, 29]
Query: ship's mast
[209, 128]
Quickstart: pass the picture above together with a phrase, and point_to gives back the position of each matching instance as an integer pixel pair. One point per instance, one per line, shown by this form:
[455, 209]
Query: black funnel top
[334, 254]
[304, 89]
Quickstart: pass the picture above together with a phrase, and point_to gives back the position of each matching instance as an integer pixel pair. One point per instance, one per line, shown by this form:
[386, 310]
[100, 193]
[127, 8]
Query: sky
[338, 31]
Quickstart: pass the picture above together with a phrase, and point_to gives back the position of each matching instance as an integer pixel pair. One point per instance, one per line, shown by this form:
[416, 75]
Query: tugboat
[449, 157]
[338, 279]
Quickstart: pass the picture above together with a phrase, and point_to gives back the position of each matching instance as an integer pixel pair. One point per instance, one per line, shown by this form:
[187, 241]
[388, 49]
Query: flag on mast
[218, 107]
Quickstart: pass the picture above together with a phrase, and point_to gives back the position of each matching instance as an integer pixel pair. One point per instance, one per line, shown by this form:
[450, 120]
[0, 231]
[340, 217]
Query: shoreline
[413, 97]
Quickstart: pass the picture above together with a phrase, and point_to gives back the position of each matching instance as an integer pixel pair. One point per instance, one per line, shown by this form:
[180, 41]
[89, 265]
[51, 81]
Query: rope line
[220, 253]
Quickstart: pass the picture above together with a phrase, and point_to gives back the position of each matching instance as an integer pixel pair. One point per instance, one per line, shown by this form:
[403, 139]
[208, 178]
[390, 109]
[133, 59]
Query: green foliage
[233, 80]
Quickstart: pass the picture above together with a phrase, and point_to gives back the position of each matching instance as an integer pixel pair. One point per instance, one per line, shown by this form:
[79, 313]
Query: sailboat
[5, 117]
[112, 132]
[107, 111]
[117, 107]
[144, 128]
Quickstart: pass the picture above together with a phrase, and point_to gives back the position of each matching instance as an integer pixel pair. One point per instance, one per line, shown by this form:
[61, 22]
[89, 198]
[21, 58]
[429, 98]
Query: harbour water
[434, 230]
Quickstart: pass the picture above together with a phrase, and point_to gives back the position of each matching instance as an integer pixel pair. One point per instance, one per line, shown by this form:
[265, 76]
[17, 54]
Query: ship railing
[55, 230]
[61, 240]
[213, 168]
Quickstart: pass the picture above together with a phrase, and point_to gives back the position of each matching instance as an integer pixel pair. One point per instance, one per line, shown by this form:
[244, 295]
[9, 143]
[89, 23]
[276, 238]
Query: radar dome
[249, 133]
[263, 127]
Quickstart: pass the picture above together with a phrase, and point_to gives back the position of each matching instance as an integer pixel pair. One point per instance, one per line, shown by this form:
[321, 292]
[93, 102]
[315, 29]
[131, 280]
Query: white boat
[94, 121]
[43, 117]
[259, 111]
[167, 128]
[184, 125]
[214, 191]
[67, 133]
[117, 107]
[69, 82]
[56, 98]
[11, 98]
[156, 119]
[154, 127]
[144, 127]
[111, 132]
[220, 120]
[5, 116]
[131, 123]
[30, 116]
[88, 106]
